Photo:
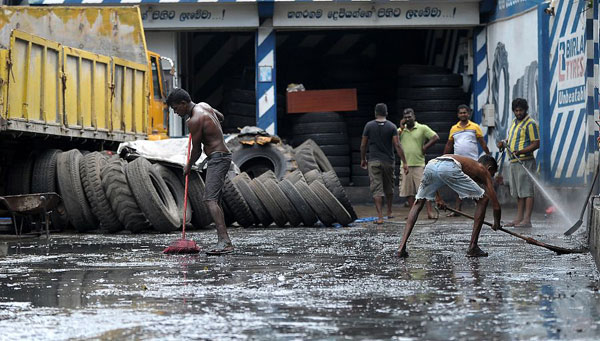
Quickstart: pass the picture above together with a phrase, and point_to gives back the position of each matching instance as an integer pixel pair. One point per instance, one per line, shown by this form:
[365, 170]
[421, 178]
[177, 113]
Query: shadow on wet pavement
[300, 283]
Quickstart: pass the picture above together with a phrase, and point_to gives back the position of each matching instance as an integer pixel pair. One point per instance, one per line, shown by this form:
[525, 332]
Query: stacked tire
[434, 94]
[105, 192]
[328, 131]
[240, 110]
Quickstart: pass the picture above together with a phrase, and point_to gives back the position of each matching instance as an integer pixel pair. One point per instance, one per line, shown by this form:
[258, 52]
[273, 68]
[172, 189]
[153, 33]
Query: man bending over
[462, 175]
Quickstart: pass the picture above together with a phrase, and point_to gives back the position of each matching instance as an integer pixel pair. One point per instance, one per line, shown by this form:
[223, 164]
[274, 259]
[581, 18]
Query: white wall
[512, 42]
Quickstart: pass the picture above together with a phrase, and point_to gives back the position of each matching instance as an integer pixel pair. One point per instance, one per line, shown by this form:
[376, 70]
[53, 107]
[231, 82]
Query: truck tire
[45, 180]
[177, 189]
[335, 187]
[312, 176]
[317, 205]
[431, 80]
[257, 159]
[152, 195]
[302, 207]
[19, 175]
[309, 156]
[122, 201]
[335, 207]
[431, 93]
[256, 206]
[91, 166]
[269, 203]
[318, 127]
[340, 138]
[201, 217]
[236, 204]
[295, 176]
[292, 215]
[71, 190]
[268, 175]
[320, 117]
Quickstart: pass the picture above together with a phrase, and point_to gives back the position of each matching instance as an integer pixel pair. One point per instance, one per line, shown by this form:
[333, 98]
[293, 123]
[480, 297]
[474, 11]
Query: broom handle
[185, 192]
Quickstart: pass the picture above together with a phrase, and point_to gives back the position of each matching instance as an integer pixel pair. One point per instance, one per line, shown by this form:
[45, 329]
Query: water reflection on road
[300, 283]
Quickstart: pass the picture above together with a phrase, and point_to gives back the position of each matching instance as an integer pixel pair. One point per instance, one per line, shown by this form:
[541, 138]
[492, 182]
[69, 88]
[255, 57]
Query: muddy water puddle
[301, 283]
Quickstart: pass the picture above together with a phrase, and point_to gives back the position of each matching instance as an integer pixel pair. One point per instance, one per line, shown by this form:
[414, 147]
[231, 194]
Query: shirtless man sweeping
[462, 175]
[204, 124]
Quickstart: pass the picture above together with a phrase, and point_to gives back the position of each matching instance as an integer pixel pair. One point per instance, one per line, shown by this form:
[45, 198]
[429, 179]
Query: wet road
[300, 283]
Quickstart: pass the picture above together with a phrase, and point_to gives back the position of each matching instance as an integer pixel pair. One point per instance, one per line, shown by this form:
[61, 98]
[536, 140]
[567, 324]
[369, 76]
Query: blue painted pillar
[266, 107]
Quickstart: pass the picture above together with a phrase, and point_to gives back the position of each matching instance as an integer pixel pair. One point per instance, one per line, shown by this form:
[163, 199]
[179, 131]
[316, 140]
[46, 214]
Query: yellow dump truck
[77, 75]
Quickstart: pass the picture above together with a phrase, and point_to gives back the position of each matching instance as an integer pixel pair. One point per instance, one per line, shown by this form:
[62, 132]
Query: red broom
[184, 245]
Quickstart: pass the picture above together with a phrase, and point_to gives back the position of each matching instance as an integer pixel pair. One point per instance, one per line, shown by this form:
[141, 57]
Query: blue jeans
[446, 172]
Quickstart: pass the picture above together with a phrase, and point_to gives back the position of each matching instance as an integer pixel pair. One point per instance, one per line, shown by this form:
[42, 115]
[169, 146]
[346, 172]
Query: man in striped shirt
[523, 140]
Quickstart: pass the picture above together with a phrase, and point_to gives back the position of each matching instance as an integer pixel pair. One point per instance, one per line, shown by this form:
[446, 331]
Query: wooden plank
[322, 100]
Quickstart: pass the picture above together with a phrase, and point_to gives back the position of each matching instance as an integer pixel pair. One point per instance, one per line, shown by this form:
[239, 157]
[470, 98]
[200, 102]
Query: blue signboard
[508, 8]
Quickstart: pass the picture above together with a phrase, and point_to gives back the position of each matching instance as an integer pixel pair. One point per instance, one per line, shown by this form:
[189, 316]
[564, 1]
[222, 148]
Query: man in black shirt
[381, 136]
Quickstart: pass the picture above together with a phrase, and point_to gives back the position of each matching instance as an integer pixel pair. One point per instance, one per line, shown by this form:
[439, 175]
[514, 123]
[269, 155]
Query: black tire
[268, 202]
[358, 170]
[309, 156]
[177, 189]
[236, 204]
[241, 109]
[268, 175]
[302, 207]
[322, 138]
[44, 172]
[432, 80]
[417, 69]
[201, 217]
[342, 171]
[319, 127]
[152, 195]
[430, 105]
[122, 201]
[333, 184]
[292, 215]
[236, 121]
[19, 176]
[256, 206]
[317, 205]
[335, 149]
[257, 159]
[431, 93]
[295, 176]
[344, 180]
[317, 117]
[500, 70]
[437, 116]
[91, 166]
[339, 161]
[45, 180]
[335, 207]
[71, 190]
[243, 96]
[312, 176]
[360, 181]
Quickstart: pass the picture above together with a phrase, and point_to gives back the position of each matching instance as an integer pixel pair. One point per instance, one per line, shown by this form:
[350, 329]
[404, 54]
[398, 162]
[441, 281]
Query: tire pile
[107, 193]
[434, 94]
[328, 131]
[240, 110]
[301, 197]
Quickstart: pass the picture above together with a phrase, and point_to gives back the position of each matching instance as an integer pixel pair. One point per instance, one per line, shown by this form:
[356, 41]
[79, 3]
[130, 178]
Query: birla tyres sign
[571, 69]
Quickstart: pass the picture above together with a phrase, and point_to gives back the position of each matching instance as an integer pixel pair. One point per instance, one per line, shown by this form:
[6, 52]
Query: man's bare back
[205, 127]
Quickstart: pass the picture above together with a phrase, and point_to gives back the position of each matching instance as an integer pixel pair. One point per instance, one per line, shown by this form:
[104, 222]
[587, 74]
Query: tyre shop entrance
[416, 68]
[218, 68]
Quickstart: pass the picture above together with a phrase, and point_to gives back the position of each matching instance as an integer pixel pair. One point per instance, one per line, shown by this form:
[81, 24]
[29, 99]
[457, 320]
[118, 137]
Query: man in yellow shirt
[415, 139]
[523, 140]
[464, 140]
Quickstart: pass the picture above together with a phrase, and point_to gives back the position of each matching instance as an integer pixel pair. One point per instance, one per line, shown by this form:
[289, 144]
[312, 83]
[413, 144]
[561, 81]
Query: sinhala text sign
[202, 15]
[371, 14]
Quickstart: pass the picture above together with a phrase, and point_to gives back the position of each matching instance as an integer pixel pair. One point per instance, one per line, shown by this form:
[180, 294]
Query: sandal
[218, 250]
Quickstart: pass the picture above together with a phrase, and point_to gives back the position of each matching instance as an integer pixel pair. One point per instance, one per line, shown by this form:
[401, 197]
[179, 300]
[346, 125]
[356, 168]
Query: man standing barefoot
[204, 124]
[462, 175]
